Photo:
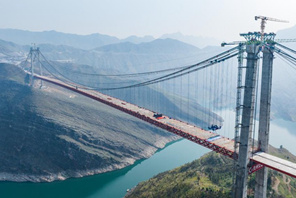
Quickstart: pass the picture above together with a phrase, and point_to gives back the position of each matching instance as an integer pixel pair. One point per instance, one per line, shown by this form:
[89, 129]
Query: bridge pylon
[34, 57]
[254, 44]
[240, 186]
[264, 119]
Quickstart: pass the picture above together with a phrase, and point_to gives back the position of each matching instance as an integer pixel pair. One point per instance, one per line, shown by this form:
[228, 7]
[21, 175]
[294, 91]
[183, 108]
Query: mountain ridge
[94, 40]
[156, 46]
[24, 37]
[198, 41]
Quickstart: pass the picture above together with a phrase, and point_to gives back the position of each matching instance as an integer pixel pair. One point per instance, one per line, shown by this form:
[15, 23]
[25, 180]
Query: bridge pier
[240, 189]
[264, 119]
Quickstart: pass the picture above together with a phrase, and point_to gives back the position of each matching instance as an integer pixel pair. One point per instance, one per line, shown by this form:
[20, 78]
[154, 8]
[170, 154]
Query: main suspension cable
[170, 76]
[185, 70]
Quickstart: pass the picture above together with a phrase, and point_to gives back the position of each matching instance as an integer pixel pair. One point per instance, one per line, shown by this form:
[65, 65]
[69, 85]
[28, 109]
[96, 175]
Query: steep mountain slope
[211, 177]
[52, 134]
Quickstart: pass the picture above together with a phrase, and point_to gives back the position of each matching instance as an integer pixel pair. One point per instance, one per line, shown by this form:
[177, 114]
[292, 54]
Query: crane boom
[270, 19]
[263, 22]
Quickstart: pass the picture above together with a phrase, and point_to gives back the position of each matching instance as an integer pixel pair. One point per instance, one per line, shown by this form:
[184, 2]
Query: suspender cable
[211, 61]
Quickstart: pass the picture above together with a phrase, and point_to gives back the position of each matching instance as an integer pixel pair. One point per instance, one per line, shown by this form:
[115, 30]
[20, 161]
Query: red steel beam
[164, 126]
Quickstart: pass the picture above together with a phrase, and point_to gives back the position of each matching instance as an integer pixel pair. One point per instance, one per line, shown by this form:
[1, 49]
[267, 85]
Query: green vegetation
[195, 179]
[211, 176]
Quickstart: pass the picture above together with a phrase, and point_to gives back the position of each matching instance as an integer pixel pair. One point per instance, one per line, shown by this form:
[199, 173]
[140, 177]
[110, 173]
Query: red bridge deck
[205, 138]
[275, 163]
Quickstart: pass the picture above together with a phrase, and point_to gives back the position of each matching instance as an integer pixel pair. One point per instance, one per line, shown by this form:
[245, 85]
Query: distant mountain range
[23, 37]
[91, 41]
[123, 56]
[158, 46]
[197, 41]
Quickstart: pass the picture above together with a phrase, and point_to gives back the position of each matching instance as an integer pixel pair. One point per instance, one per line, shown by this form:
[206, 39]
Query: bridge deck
[208, 139]
[275, 163]
[205, 138]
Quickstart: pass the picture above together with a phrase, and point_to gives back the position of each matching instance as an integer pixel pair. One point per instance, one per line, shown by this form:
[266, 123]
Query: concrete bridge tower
[255, 43]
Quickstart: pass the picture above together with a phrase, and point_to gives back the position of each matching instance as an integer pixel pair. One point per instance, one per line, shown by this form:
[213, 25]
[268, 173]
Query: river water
[114, 184]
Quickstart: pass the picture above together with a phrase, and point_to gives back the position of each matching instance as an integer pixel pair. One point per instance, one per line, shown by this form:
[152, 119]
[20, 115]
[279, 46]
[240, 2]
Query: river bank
[50, 177]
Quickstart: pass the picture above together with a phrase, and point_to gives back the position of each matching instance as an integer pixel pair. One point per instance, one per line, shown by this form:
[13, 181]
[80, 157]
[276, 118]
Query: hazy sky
[221, 19]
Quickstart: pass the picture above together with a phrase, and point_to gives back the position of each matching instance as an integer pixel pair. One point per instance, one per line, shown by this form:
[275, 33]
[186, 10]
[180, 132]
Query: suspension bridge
[210, 79]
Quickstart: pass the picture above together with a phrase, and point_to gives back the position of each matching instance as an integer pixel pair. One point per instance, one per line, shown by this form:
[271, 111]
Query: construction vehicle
[158, 116]
[214, 127]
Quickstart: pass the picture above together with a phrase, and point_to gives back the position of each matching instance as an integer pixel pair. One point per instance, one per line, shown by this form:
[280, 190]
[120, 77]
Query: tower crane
[263, 22]
[262, 34]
